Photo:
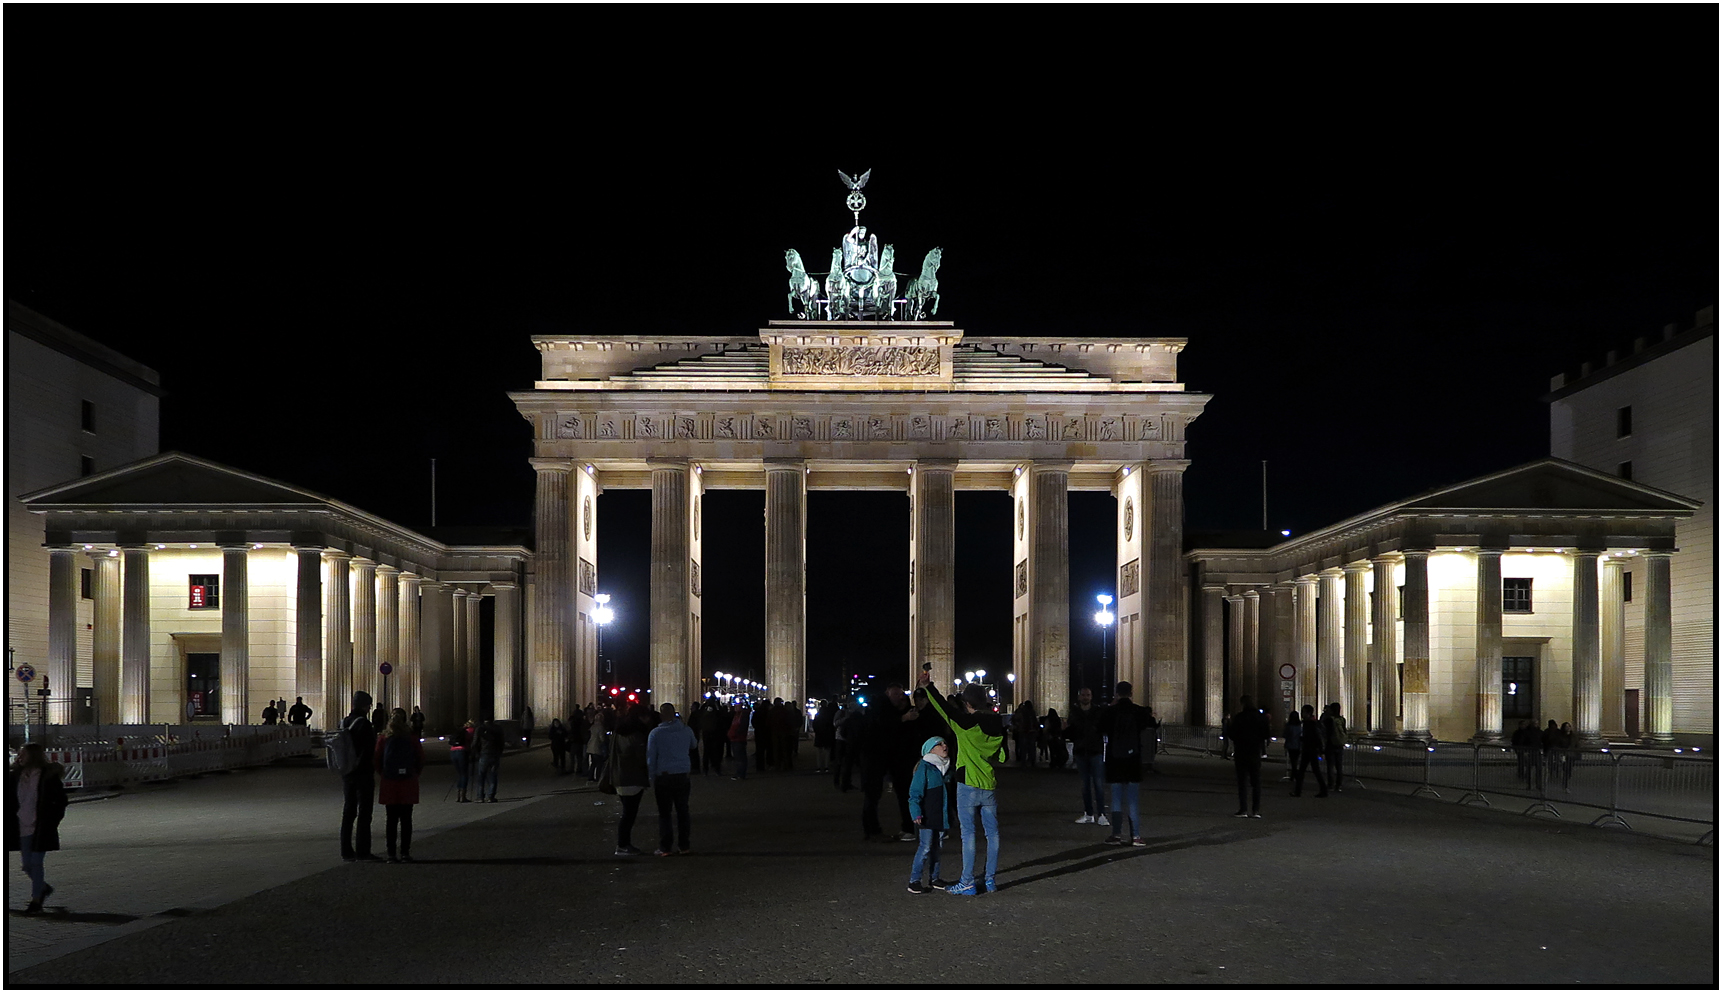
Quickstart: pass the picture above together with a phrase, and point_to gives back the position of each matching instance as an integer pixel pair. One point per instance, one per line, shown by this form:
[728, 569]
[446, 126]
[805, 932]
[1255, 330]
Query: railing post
[1474, 793]
[1612, 818]
[1542, 804]
[1428, 750]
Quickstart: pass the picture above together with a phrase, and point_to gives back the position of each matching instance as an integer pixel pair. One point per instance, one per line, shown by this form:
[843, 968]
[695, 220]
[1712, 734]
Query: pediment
[1553, 485]
[172, 478]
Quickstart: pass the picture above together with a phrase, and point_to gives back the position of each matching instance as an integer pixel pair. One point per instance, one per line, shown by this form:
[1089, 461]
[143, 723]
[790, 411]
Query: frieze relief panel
[588, 578]
[865, 360]
[1130, 578]
[1022, 578]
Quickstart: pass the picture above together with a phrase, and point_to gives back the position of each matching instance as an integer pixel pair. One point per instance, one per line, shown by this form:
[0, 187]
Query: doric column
[505, 642]
[786, 579]
[235, 633]
[1237, 677]
[410, 658]
[1303, 642]
[1331, 645]
[1613, 621]
[1415, 690]
[308, 634]
[1587, 650]
[672, 578]
[1165, 612]
[1384, 649]
[365, 675]
[338, 645]
[474, 659]
[455, 683]
[1282, 651]
[1356, 665]
[1213, 655]
[134, 641]
[1251, 686]
[1488, 644]
[388, 636]
[434, 601]
[1658, 650]
[933, 570]
[1049, 582]
[546, 671]
[105, 638]
[62, 674]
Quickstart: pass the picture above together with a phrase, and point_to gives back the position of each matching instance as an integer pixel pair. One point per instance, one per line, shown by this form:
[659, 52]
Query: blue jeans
[973, 803]
[929, 847]
[457, 758]
[1126, 797]
[33, 866]
[489, 771]
[1093, 793]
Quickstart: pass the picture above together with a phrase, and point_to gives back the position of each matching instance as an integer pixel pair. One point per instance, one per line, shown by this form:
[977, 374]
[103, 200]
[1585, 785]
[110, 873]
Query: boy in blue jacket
[927, 806]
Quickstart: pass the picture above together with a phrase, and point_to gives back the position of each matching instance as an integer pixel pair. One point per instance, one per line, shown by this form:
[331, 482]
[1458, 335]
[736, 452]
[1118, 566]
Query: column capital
[936, 463]
[1421, 552]
[1307, 579]
[1359, 567]
[336, 555]
[308, 547]
[1166, 465]
[657, 462]
[782, 464]
[1659, 554]
[551, 465]
[1252, 594]
[1386, 558]
[1051, 465]
[410, 577]
[1234, 598]
[1332, 572]
[427, 585]
[1211, 588]
[384, 568]
[1496, 552]
[502, 586]
[360, 562]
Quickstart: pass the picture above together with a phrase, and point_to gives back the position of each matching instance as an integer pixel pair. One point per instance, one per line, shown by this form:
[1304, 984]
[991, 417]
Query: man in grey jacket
[668, 766]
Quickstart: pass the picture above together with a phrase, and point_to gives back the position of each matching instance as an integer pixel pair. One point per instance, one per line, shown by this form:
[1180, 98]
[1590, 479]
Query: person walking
[1334, 737]
[667, 766]
[927, 788]
[299, 713]
[714, 736]
[1150, 743]
[1053, 733]
[629, 774]
[400, 759]
[980, 733]
[462, 755]
[490, 745]
[417, 720]
[35, 806]
[1083, 730]
[1549, 740]
[850, 729]
[824, 735]
[1025, 721]
[1249, 737]
[738, 739]
[558, 736]
[357, 784]
[1310, 737]
[1569, 753]
[1291, 739]
[1122, 725]
[526, 726]
[597, 743]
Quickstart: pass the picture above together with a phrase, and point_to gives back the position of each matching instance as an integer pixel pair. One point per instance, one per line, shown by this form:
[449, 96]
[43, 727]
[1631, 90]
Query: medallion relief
[842, 429]
[586, 517]
[1129, 517]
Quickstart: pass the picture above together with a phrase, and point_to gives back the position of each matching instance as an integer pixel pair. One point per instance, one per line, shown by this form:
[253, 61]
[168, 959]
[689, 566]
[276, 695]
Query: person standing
[1150, 743]
[463, 756]
[1291, 738]
[667, 766]
[761, 735]
[738, 739]
[1083, 730]
[629, 774]
[1522, 749]
[597, 742]
[490, 745]
[35, 806]
[1249, 737]
[418, 722]
[357, 783]
[980, 733]
[526, 726]
[400, 759]
[850, 729]
[1026, 723]
[1334, 738]
[270, 713]
[299, 713]
[883, 755]
[558, 736]
[927, 789]
[1053, 732]
[824, 736]
[1310, 737]
[714, 736]
[1550, 742]
[1122, 724]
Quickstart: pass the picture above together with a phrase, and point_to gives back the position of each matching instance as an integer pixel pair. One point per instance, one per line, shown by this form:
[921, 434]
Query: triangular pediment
[1553, 485]
[172, 478]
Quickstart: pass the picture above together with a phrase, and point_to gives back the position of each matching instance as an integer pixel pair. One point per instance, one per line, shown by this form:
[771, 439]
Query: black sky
[1381, 236]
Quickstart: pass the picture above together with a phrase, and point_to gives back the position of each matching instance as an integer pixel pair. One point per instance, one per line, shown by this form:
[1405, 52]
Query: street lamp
[1104, 618]
[602, 616]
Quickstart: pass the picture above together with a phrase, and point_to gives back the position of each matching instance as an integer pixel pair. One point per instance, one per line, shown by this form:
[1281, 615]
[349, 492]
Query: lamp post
[602, 616]
[1104, 618]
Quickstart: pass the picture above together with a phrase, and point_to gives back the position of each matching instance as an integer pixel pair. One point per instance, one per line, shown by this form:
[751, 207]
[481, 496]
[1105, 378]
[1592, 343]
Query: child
[980, 734]
[927, 806]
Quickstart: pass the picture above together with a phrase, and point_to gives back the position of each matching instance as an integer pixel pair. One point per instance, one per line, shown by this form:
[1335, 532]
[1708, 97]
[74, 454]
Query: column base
[1487, 738]
[1420, 737]
[1654, 741]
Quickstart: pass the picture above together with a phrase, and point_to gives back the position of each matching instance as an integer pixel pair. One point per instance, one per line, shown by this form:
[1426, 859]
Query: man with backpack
[351, 750]
[1334, 734]
[1123, 725]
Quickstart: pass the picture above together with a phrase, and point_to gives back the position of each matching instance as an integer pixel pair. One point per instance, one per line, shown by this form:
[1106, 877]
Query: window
[1625, 587]
[1623, 422]
[88, 414]
[205, 592]
[1516, 596]
[86, 465]
[1624, 470]
[86, 583]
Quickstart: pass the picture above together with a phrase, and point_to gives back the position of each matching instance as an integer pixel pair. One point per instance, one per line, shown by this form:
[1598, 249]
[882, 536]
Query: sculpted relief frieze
[818, 426]
[861, 360]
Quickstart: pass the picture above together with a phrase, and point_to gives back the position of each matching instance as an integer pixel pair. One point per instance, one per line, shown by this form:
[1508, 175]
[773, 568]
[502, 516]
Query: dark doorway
[1518, 688]
[1632, 715]
[203, 685]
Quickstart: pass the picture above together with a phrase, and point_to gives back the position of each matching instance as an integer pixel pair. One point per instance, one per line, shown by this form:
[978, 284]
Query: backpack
[1126, 737]
[1336, 733]
[343, 754]
[398, 758]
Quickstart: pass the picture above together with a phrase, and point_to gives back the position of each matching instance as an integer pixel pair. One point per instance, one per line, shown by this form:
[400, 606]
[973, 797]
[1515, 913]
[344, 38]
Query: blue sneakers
[992, 887]
[962, 889]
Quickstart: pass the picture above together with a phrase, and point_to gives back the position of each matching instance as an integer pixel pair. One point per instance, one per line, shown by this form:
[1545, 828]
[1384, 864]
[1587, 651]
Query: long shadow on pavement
[1112, 855]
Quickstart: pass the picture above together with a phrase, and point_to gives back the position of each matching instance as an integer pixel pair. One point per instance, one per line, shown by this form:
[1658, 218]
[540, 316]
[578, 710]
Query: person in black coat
[1310, 750]
[1249, 728]
[1123, 724]
[33, 820]
[888, 749]
[358, 786]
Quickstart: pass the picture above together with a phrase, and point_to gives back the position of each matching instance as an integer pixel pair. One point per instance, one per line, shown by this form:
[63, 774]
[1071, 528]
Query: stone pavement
[233, 880]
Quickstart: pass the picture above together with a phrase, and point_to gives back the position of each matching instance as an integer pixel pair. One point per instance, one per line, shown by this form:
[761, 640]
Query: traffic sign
[1288, 671]
[385, 668]
[26, 673]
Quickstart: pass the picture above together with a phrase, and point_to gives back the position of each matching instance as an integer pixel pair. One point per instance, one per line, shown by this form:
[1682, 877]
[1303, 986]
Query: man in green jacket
[979, 733]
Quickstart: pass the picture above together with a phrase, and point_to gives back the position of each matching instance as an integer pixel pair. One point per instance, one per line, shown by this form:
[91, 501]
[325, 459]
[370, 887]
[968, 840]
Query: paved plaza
[234, 880]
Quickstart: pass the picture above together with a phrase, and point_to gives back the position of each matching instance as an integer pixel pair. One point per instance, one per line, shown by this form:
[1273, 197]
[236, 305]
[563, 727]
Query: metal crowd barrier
[151, 753]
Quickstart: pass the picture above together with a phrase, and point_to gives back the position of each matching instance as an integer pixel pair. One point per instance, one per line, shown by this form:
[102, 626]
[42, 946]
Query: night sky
[1381, 239]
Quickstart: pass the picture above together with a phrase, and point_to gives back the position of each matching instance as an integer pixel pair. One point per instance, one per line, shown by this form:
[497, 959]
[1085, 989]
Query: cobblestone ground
[233, 880]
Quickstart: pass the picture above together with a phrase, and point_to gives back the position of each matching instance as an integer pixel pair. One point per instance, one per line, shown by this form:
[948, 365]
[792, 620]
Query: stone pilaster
[1356, 665]
[411, 665]
[474, 668]
[671, 590]
[235, 634]
[338, 646]
[364, 579]
[1658, 650]
[1213, 655]
[105, 638]
[134, 640]
[434, 632]
[505, 646]
[1488, 644]
[1613, 620]
[786, 579]
[1331, 645]
[388, 636]
[1130, 495]
[62, 673]
[1587, 651]
[1283, 650]
[1049, 581]
[1303, 641]
[1415, 688]
[1165, 613]
[582, 687]
[308, 635]
[1237, 672]
[1252, 683]
[546, 672]
[933, 564]
[1384, 649]
[455, 677]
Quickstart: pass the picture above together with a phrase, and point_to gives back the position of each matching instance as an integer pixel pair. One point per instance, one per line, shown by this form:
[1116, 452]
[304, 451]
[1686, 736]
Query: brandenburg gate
[859, 390]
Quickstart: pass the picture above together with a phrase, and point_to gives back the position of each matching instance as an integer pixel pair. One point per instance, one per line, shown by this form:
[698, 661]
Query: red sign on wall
[199, 596]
